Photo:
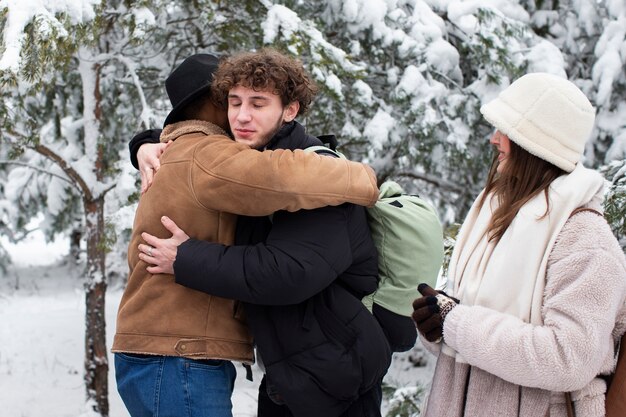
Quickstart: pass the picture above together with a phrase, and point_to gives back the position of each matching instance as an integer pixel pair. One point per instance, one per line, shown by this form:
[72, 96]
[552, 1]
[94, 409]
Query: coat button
[183, 347]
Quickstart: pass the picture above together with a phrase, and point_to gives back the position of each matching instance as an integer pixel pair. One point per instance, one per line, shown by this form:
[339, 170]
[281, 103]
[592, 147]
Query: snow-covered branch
[65, 167]
[436, 181]
[39, 169]
[146, 111]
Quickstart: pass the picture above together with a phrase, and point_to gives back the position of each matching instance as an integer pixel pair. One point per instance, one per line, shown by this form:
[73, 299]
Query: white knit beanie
[546, 115]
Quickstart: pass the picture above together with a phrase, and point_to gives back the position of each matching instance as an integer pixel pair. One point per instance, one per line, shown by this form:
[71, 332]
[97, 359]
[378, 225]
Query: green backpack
[409, 239]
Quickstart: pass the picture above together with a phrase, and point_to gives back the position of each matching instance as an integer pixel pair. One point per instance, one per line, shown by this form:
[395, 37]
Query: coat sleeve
[585, 290]
[248, 182]
[304, 252]
[400, 331]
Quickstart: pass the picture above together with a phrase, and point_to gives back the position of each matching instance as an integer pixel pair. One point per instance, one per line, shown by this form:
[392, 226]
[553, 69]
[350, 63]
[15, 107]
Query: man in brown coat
[173, 345]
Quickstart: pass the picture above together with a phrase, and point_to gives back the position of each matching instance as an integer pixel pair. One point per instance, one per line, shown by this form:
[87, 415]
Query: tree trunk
[96, 361]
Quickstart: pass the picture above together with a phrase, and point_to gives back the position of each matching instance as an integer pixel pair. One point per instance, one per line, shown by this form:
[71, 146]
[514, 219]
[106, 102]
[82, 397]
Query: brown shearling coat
[206, 179]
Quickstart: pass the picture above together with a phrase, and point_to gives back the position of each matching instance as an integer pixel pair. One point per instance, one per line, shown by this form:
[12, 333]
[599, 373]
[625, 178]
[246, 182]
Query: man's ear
[291, 111]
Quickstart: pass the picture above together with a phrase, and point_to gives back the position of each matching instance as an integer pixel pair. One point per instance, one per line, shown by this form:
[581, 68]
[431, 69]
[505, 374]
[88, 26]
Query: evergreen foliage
[403, 401]
[615, 202]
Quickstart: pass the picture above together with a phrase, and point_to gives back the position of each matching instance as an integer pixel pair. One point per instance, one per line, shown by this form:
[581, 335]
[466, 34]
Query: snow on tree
[615, 203]
[67, 69]
[403, 81]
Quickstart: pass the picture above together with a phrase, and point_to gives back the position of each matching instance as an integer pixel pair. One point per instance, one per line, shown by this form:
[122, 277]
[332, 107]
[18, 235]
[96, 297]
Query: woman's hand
[160, 254]
[430, 311]
[148, 160]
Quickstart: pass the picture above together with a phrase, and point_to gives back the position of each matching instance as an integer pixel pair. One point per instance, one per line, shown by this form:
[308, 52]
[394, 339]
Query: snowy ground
[41, 341]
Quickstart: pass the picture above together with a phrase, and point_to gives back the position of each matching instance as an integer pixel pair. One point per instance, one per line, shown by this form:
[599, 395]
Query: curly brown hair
[265, 70]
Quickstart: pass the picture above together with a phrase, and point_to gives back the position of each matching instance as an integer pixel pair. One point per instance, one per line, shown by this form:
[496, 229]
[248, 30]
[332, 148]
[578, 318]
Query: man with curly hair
[264, 91]
[300, 275]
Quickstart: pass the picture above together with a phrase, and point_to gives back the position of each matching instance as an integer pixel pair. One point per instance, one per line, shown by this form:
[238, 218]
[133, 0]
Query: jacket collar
[292, 136]
[175, 130]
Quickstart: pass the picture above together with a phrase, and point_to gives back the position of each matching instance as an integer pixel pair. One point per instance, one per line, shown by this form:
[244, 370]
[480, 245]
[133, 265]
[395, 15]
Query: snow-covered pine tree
[71, 95]
[402, 81]
[592, 36]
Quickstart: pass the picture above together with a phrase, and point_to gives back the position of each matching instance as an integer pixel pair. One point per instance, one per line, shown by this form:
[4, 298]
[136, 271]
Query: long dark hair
[523, 177]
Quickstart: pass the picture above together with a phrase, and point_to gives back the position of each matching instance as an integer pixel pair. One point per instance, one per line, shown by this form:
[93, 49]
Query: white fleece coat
[519, 369]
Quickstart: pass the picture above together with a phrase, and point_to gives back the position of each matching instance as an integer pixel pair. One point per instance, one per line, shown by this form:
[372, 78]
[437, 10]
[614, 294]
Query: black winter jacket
[302, 286]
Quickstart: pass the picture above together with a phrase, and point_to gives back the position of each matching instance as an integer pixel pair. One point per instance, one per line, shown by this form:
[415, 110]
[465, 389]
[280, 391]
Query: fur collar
[176, 130]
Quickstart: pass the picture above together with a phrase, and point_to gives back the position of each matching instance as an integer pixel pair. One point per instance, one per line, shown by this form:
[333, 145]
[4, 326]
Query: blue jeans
[168, 386]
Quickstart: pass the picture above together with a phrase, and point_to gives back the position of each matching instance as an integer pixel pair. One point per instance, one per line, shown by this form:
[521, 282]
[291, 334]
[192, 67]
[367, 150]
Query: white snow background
[42, 309]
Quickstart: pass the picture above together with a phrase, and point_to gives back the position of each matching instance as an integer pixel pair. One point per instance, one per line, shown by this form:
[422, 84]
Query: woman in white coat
[535, 297]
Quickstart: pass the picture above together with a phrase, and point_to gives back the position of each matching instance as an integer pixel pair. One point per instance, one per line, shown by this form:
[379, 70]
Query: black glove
[147, 136]
[430, 311]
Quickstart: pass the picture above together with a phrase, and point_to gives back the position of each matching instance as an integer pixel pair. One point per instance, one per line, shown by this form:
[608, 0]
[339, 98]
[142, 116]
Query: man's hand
[148, 160]
[161, 253]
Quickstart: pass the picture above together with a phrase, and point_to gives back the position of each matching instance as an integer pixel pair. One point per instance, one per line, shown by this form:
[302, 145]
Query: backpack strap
[569, 405]
[582, 209]
[323, 150]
